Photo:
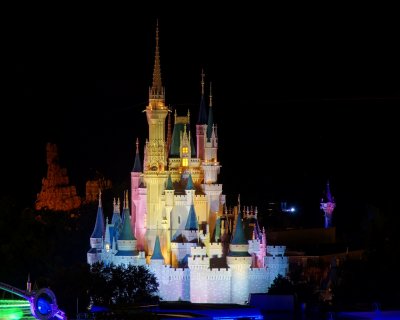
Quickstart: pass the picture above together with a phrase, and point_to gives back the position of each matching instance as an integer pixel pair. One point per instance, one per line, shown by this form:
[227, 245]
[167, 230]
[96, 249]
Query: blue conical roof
[191, 223]
[169, 186]
[210, 123]
[98, 231]
[126, 232]
[189, 185]
[202, 119]
[239, 237]
[137, 166]
[157, 255]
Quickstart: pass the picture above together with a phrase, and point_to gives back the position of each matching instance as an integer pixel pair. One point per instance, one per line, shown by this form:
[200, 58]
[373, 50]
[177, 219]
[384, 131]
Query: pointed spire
[156, 89]
[239, 237]
[328, 193]
[137, 166]
[202, 119]
[210, 104]
[98, 231]
[116, 218]
[99, 198]
[170, 185]
[126, 229]
[192, 223]
[210, 122]
[29, 284]
[202, 82]
[189, 185]
[157, 254]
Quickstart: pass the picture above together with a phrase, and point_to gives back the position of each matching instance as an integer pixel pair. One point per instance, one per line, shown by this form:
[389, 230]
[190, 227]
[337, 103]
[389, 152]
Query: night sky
[300, 97]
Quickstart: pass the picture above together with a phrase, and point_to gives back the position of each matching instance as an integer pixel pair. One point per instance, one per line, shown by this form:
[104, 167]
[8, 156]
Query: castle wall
[173, 283]
[258, 280]
[219, 285]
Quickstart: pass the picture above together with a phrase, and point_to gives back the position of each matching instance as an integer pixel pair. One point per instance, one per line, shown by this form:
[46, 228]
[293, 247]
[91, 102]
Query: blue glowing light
[43, 306]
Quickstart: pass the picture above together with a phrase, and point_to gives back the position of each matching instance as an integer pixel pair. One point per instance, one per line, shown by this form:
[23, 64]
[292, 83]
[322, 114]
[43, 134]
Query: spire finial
[210, 94]
[99, 198]
[202, 81]
[137, 145]
[239, 201]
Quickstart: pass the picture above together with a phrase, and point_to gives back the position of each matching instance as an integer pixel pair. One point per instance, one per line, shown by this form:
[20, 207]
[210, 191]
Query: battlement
[200, 198]
[257, 271]
[198, 263]
[276, 250]
[211, 187]
[198, 251]
[218, 274]
[181, 245]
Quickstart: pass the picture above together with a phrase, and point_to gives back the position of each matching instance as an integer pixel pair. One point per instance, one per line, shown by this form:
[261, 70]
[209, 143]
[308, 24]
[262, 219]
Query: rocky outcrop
[94, 186]
[56, 193]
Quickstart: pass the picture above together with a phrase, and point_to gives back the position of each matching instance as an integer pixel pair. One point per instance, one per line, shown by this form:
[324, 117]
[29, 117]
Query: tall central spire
[157, 85]
[156, 92]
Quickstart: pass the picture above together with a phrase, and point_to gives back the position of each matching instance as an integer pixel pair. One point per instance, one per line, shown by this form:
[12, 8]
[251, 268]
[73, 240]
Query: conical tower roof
[157, 254]
[98, 231]
[238, 237]
[192, 223]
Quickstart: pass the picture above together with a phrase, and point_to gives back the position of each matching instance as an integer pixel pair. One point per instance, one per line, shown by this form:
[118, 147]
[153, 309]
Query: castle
[179, 224]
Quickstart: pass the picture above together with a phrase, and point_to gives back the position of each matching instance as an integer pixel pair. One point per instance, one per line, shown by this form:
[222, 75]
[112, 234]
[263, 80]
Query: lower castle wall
[174, 283]
[219, 285]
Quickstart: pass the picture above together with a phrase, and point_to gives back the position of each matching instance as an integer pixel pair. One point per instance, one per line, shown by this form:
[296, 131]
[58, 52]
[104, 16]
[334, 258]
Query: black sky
[301, 95]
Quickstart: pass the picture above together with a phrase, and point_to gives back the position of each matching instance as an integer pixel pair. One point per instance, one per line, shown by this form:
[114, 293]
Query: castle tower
[155, 174]
[201, 126]
[239, 261]
[328, 205]
[96, 239]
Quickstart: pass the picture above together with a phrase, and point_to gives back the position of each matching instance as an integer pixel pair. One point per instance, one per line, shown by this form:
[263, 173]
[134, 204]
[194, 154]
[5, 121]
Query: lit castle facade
[179, 224]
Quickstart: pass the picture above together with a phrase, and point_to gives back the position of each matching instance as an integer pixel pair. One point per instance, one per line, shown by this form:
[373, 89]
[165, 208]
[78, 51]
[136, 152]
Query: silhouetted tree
[122, 285]
[281, 285]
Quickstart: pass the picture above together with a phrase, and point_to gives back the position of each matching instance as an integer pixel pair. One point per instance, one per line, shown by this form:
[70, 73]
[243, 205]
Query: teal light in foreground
[15, 310]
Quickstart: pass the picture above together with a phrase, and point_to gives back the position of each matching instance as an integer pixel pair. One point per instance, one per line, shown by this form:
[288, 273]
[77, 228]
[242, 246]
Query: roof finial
[202, 81]
[210, 94]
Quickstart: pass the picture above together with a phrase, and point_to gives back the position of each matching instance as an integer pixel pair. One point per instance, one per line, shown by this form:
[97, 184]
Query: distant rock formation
[56, 193]
[93, 187]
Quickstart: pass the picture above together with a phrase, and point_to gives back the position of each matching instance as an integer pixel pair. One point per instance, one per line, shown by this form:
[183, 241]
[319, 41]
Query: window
[185, 162]
[179, 220]
[185, 150]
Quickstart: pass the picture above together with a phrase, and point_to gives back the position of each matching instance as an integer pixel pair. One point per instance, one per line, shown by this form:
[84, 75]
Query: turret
[99, 227]
[328, 205]
[116, 219]
[210, 164]
[239, 260]
[135, 183]
[96, 239]
[126, 240]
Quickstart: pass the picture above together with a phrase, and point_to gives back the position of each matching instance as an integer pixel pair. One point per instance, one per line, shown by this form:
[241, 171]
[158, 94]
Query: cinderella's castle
[179, 223]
